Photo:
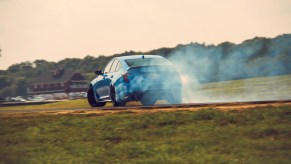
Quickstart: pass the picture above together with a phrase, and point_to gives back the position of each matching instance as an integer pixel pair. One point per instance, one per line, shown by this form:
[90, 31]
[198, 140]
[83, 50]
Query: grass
[261, 135]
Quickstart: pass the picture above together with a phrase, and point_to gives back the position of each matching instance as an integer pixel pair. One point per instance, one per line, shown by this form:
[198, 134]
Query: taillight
[125, 77]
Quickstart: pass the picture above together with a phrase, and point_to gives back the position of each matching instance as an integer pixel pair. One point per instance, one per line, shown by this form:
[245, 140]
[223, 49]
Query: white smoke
[208, 73]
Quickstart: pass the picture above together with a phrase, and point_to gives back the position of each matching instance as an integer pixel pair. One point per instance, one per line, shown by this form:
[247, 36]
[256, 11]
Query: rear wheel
[91, 99]
[113, 98]
[148, 100]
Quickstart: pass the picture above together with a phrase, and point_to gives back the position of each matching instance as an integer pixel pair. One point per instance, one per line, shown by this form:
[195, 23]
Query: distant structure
[58, 84]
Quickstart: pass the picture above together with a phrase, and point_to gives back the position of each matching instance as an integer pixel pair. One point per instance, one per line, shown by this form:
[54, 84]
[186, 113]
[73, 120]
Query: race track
[146, 109]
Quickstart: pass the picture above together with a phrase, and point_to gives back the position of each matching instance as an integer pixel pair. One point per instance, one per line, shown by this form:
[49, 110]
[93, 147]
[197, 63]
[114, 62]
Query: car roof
[138, 56]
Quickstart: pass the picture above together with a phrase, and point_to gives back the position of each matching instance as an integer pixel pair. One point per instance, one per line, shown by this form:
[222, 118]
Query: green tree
[4, 81]
[7, 92]
[20, 86]
[24, 66]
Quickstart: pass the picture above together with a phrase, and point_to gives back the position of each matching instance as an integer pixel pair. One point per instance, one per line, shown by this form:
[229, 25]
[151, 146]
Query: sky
[57, 29]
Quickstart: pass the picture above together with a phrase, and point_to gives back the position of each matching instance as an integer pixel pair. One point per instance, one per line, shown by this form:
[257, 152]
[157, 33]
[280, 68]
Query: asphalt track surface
[185, 106]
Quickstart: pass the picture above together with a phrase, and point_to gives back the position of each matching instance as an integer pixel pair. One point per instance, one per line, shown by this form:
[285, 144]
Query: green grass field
[260, 135]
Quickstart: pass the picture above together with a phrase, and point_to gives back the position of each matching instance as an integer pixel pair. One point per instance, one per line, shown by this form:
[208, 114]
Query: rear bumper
[159, 94]
[135, 91]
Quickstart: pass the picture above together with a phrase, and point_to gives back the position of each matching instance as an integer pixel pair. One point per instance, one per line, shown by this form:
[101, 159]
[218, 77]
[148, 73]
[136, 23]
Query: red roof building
[58, 81]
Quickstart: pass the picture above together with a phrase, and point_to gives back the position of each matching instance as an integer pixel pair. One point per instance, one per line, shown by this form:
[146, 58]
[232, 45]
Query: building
[58, 84]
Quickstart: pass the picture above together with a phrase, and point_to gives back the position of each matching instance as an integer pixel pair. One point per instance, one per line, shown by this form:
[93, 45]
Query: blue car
[144, 78]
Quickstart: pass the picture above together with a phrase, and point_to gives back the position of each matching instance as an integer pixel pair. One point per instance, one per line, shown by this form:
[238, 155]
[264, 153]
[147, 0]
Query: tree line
[206, 63]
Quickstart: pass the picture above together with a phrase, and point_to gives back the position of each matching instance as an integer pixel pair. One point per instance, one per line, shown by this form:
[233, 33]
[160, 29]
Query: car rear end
[150, 78]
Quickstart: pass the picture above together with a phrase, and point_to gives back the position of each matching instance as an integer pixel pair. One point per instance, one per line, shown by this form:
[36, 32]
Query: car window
[113, 66]
[118, 67]
[146, 62]
[107, 68]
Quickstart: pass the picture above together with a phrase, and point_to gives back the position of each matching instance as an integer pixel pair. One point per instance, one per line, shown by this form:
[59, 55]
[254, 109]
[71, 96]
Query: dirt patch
[226, 106]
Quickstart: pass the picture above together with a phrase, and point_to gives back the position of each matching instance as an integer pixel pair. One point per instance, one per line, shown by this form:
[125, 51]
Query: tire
[147, 100]
[113, 98]
[91, 99]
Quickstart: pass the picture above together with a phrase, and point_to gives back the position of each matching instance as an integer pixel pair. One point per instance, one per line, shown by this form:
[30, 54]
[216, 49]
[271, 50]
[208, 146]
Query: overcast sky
[58, 29]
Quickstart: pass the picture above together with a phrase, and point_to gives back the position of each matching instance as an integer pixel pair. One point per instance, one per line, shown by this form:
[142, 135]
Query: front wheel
[91, 99]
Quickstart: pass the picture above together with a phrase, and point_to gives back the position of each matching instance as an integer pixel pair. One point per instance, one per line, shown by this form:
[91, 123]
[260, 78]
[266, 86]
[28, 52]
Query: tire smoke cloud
[200, 65]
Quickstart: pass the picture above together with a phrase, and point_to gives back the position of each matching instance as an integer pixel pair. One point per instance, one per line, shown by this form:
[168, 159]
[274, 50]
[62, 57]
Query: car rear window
[146, 62]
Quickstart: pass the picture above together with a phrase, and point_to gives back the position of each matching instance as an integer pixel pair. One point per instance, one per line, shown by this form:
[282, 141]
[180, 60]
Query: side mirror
[98, 73]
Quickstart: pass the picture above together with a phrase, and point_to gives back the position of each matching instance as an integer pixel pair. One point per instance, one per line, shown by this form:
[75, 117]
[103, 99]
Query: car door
[101, 85]
[108, 79]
